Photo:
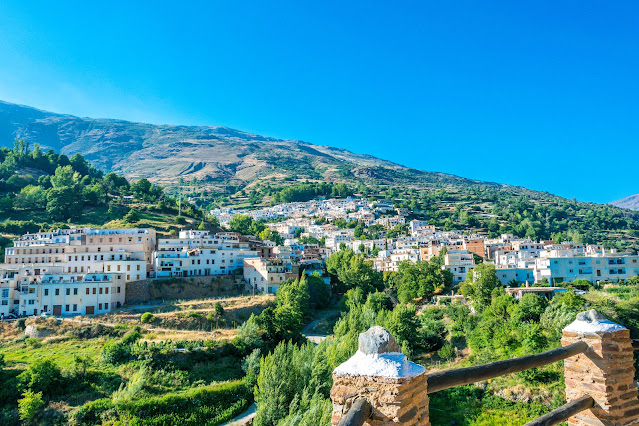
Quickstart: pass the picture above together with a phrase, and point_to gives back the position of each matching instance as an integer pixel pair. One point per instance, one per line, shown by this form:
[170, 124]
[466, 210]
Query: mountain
[631, 202]
[215, 156]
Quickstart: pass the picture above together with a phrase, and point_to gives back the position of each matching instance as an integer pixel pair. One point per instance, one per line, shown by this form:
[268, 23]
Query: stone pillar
[605, 371]
[395, 387]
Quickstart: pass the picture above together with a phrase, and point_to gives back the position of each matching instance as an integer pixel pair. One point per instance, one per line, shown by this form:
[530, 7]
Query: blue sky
[539, 94]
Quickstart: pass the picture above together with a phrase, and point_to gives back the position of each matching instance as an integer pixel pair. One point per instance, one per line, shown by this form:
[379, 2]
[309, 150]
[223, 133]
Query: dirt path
[244, 418]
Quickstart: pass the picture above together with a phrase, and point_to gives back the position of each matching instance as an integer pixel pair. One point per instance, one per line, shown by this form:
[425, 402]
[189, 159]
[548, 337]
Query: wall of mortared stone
[182, 288]
[403, 400]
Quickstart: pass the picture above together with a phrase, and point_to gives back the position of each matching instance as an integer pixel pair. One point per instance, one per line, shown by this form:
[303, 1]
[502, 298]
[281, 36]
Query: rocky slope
[631, 202]
[217, 155]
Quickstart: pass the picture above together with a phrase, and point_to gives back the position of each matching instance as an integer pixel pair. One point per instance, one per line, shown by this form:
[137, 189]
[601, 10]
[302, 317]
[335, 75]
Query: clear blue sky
[542, 94]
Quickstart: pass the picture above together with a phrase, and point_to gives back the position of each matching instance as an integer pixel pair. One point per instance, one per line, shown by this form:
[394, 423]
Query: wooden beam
[463, 376]
[564, 412]
[357, 415]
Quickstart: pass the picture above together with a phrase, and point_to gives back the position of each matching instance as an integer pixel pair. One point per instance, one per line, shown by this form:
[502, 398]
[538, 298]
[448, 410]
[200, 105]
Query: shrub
[114, 352]
[219, 310]
[147, 317]
[41, 376]
[447, 351]
[29, 405]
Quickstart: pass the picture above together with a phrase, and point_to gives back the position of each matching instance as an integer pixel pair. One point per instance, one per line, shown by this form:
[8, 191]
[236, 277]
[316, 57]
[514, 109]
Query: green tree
[529, 308]
[241, 223]
[132, 216]
[479, 284]
[64, 177]
[420, 279]
[63, 203]
[31, 197]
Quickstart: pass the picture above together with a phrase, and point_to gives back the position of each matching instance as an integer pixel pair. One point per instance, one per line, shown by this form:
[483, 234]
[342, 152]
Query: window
[68, 292]
[45, 308]
[100, 306]
[118, 290]
[75, 291]
[31, 302]
[93, 290]
[75, 308]
[66, 308]
[57, 291]
[106, 306]
[87, 291]
[5, 302]
[100, 290]
[5, 292]
[106, 290]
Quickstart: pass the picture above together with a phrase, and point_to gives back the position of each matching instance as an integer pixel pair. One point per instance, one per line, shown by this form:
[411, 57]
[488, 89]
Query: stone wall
[395, 387]
[605, 372]
[183, 288]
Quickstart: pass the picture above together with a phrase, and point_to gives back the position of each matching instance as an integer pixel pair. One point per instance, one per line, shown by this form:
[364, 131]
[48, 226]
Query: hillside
[215, 156]
[631, 202]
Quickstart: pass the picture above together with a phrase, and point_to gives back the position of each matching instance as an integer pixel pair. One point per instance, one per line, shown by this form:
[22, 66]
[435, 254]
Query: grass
[62, 350]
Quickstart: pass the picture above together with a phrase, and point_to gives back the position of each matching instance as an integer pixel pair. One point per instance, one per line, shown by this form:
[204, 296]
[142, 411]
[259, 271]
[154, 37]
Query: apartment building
[30, 290]
[459, 262]
[265, 275]
[612, 267]
[87, 250]
[199, 253]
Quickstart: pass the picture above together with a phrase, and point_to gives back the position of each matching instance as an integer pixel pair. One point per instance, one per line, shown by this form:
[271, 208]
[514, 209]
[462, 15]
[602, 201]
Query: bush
[41, 376]
[447, 351]
[147, 317]
[115, 352]
[30, 405]
[219, 310]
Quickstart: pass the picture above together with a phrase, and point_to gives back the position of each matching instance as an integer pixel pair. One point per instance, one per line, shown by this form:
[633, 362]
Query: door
[57, 309]
[90, 310]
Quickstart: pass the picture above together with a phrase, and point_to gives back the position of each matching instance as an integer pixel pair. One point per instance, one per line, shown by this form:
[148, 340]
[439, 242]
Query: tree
[79, 164]
[63, 203]
[142, 187]
[241, 223]
[480, 282]
[353, 270]
[219, 310]
[64, 177]
[404, 325]
[132, 216]
[529, 308]
[31, 197]
[420, 279]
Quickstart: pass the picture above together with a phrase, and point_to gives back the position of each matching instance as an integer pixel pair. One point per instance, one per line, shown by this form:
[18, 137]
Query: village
[80, 271]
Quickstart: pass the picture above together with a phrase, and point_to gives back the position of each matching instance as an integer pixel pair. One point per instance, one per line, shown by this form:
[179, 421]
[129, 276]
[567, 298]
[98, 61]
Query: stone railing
[379, 386]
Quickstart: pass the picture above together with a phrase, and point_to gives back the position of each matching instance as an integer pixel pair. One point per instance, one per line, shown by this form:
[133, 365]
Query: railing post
[394, 386]
[605, 371]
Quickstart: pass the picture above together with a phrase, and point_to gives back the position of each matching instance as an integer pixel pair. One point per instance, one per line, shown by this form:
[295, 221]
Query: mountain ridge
[630, 202]
[215, 154]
